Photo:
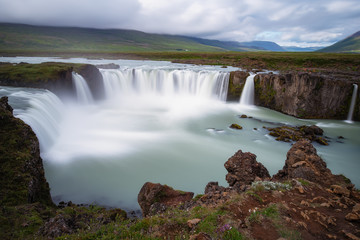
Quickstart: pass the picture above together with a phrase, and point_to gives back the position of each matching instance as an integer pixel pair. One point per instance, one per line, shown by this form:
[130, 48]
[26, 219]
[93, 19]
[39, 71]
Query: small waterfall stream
[83, 92]
[352, 105]
[247, 95]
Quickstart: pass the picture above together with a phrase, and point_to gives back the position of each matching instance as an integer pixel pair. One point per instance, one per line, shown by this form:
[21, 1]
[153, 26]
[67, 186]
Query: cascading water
[352, 105]
[161, 125]
[247, 95]
[43, 113]
[203, 84]
[83, 92]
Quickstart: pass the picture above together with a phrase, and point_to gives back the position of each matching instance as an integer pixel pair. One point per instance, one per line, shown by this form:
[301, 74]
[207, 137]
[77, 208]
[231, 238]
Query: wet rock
[243, 116]
[243, 169]
[288, 133]
[303, 162]
[236, 126]
[152, 193]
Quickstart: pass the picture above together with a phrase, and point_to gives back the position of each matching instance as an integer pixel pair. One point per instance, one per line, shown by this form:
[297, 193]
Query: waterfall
[352, 105]
[247, 95]
[83, 92]
[205, 84]
[44, 115]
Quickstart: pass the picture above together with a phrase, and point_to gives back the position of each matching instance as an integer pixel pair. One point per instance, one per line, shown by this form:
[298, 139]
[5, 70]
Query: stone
[350, 235]
[352, 217]
[193, 222]
[236, 126]
[243, 169]
[300, 189]
[299, 164]
[356, 208]
[213, 187]
[302, 161]
[340, 190]
[151, 193]
[331, 236]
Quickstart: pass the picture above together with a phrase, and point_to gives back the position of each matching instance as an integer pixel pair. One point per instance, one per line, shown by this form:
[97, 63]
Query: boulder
[243, 169]
[288, 133]
[302, 161]
[163, 195]
[214, 187]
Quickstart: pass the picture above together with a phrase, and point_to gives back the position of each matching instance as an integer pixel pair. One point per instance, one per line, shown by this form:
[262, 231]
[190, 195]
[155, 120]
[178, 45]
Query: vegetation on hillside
[35, 73]
[350, 44]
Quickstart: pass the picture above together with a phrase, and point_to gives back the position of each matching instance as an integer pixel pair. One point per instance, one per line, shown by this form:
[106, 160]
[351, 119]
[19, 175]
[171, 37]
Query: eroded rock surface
[244, 169]
[160, 195]
[305, 95]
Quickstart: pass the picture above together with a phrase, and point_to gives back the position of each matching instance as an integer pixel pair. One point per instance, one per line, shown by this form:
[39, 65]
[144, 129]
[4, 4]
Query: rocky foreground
[304, 200]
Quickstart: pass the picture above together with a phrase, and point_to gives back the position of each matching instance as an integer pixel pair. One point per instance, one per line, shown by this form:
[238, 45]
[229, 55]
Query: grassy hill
[20, 37]
[350, 44]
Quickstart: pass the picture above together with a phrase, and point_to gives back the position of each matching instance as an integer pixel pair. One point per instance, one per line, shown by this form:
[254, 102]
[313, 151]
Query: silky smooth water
[166, 130]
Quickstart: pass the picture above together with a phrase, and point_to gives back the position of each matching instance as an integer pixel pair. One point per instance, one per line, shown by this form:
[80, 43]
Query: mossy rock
[236, 126]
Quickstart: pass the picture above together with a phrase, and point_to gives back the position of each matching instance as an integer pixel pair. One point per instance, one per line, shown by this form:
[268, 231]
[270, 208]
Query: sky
[301, 23]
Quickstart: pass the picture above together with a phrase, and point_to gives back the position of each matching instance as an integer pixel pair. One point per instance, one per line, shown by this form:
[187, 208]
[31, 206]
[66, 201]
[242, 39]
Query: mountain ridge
[350, 44]
[25, 37]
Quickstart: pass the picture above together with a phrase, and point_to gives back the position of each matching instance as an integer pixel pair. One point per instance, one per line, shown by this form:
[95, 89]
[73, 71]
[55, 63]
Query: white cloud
[290, 21]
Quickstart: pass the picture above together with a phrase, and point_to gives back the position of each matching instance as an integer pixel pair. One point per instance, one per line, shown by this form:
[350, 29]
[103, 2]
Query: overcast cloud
[286, 22]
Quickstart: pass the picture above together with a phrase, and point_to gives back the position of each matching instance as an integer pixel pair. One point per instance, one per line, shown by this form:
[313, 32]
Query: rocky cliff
[237, 81]
[21, 168]
[56, 77]
[305, 95]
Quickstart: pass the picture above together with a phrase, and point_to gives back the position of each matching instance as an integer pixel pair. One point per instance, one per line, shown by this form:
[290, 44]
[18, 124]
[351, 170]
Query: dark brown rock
[243, 169]
[302, 161]
[236, 126]
[289, 133]
[214, 187]
[152, 193]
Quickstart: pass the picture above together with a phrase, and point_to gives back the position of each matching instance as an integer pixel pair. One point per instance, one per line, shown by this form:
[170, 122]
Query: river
[159, 122]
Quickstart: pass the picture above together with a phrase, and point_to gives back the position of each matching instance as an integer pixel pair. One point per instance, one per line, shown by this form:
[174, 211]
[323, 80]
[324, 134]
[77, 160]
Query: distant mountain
[263, 45]
[300, 49]
[21, 37]
[350, 44]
